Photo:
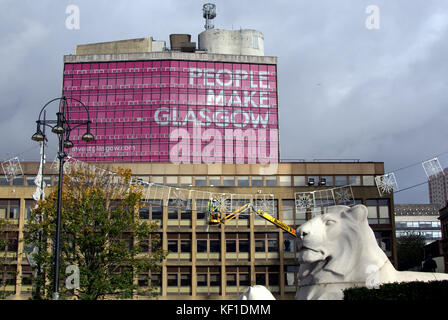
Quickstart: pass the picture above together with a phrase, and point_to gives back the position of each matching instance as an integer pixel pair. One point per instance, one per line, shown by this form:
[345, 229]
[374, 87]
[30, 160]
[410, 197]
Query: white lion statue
[338, 250]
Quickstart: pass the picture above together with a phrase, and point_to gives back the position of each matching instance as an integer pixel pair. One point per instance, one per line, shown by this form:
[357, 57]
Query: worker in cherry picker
[213, 210]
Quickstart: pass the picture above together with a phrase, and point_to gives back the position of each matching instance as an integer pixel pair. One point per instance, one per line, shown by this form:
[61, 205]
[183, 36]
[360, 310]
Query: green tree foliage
[410, 251]
[101, 234]
[6, 272]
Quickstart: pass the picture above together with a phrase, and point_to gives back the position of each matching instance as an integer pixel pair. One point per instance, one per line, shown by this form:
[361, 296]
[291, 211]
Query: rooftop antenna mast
[209, 10]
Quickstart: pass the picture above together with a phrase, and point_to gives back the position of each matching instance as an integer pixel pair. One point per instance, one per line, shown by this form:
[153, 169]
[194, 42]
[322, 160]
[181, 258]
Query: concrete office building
[444, 242]
[437, 185]
[202, 118]
[419, 219]
[222, 262]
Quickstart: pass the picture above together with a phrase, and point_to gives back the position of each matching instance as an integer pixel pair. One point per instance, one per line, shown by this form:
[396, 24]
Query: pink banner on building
[175, 111]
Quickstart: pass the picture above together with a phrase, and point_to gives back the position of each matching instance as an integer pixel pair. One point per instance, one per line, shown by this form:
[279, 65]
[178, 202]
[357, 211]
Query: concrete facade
[220, 263]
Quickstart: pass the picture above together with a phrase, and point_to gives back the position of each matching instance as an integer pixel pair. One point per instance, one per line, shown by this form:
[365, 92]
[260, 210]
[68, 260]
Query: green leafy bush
[417, 290]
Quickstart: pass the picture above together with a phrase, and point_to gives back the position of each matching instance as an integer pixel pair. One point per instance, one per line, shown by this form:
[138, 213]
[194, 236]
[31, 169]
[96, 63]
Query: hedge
[417, 290]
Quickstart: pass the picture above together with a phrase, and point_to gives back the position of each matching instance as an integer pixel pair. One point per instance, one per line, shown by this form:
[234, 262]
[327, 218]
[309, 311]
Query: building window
[368, 180]
[291, 276]
[185, 181]
[243, 181]
[354, 180]
[179, 280]
[157, 179]
[4, 181]
[231, 279]
[299, 181]
[144, 213]
[19, 181]
[257, 181]
[173, 213]
[179, 246]
[157, 212]
[378, 211]
[260, 245]
[30, 181]
[208, 280]
[228, 181]
[29, 206]
[171, 181]
[268, 277]
[237, 244]
[200, 181]
[340, 181]
[230, 245]
[288, 242]
[237, 279]
[214, 181]
[285, 181]
[208, 245]
[10, 209]
[266, 242]
[201, 205]
[288, 209]
[271, 181]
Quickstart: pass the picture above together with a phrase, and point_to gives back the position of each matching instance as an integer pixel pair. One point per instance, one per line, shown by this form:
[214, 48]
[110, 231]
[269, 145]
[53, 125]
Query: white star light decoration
[386, 183]
[344, 196]
[179, 198]
[304, 201]
[432, 167]
[12, 168]
[265, 202]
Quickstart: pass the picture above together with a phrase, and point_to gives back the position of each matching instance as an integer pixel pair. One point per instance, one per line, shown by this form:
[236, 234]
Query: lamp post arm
[40, 113]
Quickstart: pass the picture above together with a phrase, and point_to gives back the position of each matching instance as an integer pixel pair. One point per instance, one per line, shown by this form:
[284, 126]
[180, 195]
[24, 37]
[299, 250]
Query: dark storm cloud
[344, 91]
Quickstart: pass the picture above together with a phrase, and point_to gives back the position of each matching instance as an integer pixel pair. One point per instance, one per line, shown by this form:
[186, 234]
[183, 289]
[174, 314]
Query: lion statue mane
[338, 250]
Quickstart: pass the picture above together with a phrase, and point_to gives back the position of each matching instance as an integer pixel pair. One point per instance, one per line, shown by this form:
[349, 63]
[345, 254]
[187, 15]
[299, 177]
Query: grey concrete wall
[116, 47]
[240, 42]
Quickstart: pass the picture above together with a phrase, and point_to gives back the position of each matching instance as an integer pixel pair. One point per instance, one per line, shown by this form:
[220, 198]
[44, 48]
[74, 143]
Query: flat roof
[170, 55]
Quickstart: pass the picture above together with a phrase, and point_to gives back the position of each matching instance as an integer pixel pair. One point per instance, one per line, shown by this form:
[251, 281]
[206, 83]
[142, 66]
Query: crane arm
[236, 213]
[276, 222]
[259, 212]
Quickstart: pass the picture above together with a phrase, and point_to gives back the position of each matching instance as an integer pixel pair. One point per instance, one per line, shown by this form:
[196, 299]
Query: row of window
[163, 66]
[235, 242]
[236, 276]
[378, 212]
[260, 181]
[227, 181]
[417, 225]
[428, 235]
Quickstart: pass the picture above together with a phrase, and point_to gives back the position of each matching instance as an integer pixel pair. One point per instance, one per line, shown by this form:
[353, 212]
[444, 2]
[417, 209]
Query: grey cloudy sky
[345, 92]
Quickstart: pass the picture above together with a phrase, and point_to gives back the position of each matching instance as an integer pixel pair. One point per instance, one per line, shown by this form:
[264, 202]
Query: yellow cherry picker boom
[215, 217]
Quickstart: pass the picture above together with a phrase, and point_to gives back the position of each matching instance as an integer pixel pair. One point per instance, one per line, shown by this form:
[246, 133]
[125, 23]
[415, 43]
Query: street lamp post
[62, 127]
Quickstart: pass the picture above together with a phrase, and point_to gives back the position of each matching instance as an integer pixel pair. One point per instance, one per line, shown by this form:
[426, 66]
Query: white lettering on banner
[221, 117]
[194, 73]
[166, 117]
[216, 97]
[227, 78]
